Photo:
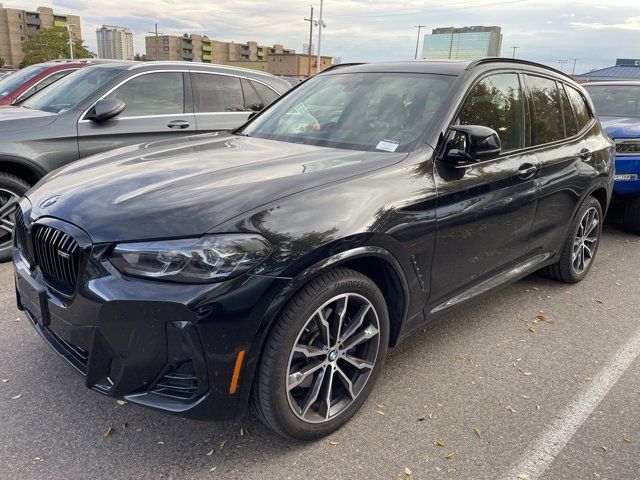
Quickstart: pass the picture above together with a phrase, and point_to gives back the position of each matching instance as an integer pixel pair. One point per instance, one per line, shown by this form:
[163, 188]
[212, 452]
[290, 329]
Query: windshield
[10, 83]
[364, 111]
[72, 89]
[615, 100]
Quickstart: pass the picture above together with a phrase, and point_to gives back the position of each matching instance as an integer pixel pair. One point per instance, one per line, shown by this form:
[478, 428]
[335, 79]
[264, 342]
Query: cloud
[632, 23]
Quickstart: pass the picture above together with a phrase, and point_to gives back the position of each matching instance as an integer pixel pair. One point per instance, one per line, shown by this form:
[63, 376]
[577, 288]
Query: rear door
[565, 155]
[158, 106]
[485, 210]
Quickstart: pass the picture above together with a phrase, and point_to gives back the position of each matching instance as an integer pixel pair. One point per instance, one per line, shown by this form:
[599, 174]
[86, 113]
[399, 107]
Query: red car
[20, 85]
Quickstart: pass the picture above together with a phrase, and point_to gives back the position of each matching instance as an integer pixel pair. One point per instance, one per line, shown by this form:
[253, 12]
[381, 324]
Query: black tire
[563, 270]
[270, 396]
[631, 217]
[11, 189]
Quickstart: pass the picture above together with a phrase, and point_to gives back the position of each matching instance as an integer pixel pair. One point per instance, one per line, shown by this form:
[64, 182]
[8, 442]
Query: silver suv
[103, 107]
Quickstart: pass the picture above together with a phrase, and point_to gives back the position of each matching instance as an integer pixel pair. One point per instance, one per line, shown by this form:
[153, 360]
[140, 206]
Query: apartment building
[16, 24]
[200, 48]
[115, 42]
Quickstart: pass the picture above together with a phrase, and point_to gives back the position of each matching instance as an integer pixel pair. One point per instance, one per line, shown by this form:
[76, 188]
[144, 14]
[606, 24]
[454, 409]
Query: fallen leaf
[451, 470]
[599, 300]
[478, 432]
[510, 408]
[160, 443]
[125, 425]
[439, 443]
[16, 397]
[538, 407]
[109, 432]
[242, 432]
[5, 380]
[604, 447]
[138, 429]
[379, 405]
[531, 329]
[588, 379]
[222, 442]
[212, 469]
[627, 439]
[536, 288]
[37, 459]
[334, 442]
[449, 456]
[407, 471]
[524, 396]
[121, 402]
[523, 372]
[421, 418]
[430, 414]
[460, 357]
[522, 475]
[210, 452]
[380, 412]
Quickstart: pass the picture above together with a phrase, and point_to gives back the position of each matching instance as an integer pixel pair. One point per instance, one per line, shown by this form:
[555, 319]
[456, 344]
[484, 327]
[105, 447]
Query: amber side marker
[236, 372]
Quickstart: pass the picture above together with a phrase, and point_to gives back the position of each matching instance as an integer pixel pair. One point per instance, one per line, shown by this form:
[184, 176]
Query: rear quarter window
[579, 104]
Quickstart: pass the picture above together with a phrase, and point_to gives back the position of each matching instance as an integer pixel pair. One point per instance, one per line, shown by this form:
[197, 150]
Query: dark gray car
[104, 107]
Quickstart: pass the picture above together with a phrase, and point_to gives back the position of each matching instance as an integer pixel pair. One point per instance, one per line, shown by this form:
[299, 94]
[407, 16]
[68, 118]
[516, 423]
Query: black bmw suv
[273, 266]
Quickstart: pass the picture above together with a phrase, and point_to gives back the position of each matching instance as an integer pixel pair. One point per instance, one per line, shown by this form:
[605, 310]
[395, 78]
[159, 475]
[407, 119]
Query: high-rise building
[467, 43]
[16, 24]
[115, 42]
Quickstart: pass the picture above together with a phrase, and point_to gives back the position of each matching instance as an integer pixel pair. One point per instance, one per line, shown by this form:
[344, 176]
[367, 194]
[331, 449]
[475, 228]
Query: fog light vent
[179, 382]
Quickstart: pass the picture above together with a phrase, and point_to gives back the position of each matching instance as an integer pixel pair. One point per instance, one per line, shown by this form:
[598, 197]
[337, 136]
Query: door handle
[178, 124]
[585, 154]
[527, 170]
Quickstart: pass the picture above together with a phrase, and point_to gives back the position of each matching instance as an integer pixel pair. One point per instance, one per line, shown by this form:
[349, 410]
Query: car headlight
[193, 260]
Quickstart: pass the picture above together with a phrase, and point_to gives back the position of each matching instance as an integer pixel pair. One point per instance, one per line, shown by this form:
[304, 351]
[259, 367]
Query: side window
[580, 107]
[496, 102]
[251, 99]
[152, 94]
[546, 115]
[570, 124]
[218, 93]
[265, 93]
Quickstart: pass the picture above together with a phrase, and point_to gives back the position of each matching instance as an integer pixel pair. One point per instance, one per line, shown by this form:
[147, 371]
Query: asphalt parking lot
[491, 392]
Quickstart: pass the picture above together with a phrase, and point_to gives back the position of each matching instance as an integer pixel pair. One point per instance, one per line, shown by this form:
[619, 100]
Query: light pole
[69, 25]
[514, 51]
[310, 52]
[573, 71]
[419, 27]
[156, 33]
[321, 25]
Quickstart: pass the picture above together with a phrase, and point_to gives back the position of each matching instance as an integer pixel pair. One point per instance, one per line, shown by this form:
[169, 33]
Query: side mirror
[481, 143]
[106, 109]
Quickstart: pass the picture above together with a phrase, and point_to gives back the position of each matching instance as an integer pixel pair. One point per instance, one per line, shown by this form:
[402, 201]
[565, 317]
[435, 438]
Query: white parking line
[544, 451]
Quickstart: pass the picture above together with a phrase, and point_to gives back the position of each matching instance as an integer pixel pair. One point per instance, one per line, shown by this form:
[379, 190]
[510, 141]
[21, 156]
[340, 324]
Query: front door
[485, 210]
[157, 107]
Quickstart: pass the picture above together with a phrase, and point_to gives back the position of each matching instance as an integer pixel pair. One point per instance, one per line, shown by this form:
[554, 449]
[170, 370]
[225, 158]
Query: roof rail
[197, 64]
[340, 65]
[482, 61]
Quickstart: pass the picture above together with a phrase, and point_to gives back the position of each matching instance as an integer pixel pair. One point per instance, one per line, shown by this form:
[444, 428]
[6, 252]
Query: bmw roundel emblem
[50, 201]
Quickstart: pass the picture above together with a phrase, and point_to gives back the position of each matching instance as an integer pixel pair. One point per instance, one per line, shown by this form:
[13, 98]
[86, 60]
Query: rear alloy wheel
[580, 247]
[323, 356]
[11, 190]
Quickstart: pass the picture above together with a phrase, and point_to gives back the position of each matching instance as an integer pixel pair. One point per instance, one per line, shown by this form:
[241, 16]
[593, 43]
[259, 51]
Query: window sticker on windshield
[387, 145]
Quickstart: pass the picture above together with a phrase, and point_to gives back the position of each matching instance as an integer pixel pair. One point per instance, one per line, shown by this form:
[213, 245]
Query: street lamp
[419, 27]
[320, 25]
[69, 25]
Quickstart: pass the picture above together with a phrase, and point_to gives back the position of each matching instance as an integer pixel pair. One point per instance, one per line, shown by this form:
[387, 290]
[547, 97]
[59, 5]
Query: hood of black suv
[21, 118]
[178, 188]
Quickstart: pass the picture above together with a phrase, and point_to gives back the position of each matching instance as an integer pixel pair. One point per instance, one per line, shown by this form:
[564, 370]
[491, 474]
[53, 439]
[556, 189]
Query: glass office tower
[467, 43]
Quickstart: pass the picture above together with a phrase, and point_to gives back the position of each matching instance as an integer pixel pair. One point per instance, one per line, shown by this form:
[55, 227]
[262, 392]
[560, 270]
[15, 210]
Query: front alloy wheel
[333, 357]
[585, 241]
[323, 356]
[12, 189]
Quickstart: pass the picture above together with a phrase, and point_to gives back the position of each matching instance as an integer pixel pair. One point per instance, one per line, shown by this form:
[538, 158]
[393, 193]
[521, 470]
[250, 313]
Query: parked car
[273, 266]
[618, 105]
[111, 105]
[30, 80]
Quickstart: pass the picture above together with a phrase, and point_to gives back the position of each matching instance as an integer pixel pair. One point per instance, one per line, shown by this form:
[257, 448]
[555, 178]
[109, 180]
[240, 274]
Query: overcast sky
[594, 31]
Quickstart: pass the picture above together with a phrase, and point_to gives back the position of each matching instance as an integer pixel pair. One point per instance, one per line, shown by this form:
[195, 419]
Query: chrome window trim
[83, 118]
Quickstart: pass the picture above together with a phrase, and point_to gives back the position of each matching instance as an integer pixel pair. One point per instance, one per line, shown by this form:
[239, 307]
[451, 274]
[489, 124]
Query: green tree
[1, 62]
[51, 44]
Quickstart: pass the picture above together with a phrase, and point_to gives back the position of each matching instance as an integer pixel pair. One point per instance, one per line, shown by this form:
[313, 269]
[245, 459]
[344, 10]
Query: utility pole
[321, 25]
[419, 27]
[514, 51]
[69, 25]
[573, 71]
[310, 52]
[156, 33]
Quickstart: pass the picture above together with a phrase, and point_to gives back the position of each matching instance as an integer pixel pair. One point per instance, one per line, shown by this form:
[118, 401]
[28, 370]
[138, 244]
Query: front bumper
[627, 166]
[173, 347]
